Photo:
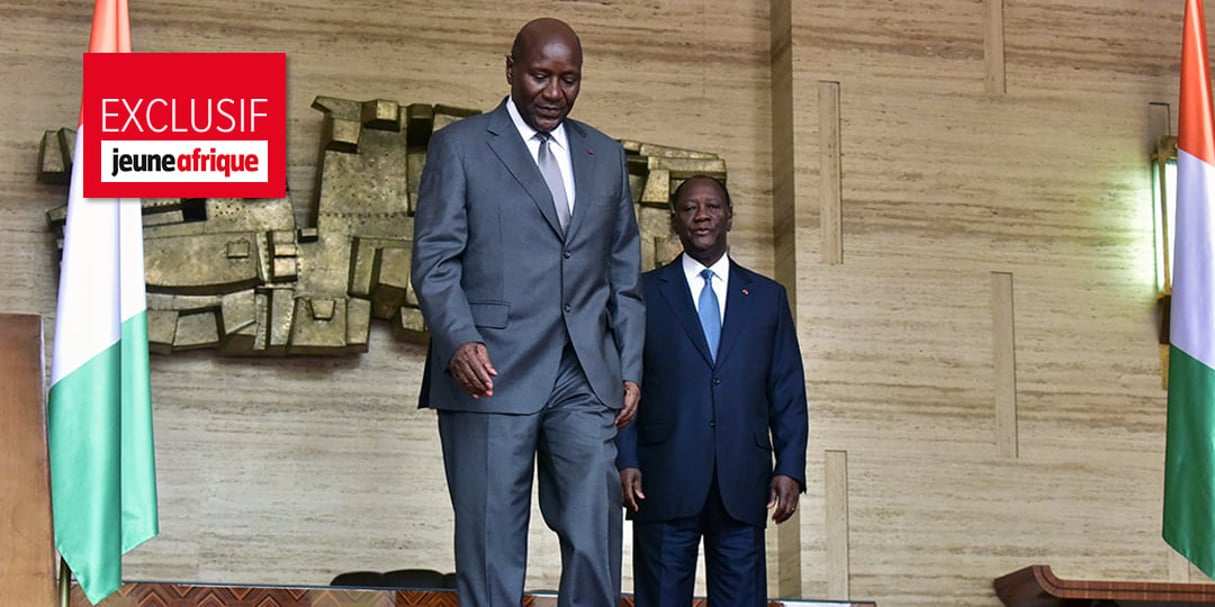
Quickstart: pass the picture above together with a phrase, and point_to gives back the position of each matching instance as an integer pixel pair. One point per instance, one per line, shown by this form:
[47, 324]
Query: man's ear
[510, 69]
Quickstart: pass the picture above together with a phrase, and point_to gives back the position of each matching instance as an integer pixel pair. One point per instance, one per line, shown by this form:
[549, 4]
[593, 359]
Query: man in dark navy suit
[720, 434]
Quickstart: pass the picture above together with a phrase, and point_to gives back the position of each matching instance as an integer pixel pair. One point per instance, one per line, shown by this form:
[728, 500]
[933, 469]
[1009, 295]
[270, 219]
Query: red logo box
[184, 125]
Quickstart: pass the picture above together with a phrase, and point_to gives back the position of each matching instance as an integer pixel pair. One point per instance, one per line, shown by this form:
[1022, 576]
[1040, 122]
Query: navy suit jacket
[491, 265]
[744, 417]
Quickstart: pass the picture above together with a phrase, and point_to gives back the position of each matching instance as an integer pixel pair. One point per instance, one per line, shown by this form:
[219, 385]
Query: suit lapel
[675, 291]
[510, 149]
[738, 304]
[582, 159]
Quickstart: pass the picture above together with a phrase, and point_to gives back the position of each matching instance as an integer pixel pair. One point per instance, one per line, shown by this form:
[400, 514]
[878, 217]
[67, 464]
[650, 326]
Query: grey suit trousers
[490, 460]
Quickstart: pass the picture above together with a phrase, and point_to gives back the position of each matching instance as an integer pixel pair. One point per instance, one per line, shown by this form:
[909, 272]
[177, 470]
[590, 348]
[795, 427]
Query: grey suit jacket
[491, 265]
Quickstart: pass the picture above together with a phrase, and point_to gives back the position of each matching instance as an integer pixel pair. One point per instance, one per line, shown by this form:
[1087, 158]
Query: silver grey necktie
[552, 176]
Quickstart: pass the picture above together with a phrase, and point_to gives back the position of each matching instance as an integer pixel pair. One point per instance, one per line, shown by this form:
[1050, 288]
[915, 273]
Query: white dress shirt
[720, 281]
[559, 146]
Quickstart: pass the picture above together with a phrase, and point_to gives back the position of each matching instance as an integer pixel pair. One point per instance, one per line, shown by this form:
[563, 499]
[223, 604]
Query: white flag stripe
[1192, 320]
[132, 282]
[88, 307]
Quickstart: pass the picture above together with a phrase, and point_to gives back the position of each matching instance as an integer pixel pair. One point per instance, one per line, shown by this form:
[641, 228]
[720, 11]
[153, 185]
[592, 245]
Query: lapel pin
[746, 292]
[590, 152]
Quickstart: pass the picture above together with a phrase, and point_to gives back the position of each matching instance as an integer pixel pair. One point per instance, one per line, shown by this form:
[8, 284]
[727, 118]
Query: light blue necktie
[710, 313]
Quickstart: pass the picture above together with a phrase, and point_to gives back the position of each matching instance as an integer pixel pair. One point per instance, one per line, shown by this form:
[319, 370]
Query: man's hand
[632, 395]
[473, 370]
[630, 483]
[783, 493]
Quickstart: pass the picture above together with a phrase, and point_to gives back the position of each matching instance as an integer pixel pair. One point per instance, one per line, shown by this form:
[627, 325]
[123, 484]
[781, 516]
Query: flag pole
[99, 411]
[1189, 473]
[65, 584]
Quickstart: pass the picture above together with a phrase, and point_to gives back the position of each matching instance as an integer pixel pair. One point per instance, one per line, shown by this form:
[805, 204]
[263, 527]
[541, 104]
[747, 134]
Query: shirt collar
[692, 268]
[528, 133]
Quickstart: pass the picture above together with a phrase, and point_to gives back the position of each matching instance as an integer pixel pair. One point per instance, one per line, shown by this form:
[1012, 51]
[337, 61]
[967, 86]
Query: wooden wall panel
[27, 562]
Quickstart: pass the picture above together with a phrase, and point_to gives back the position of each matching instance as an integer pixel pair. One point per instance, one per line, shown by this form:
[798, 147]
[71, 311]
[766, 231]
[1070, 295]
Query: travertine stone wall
[974, 292]
[985, 353]
[291, 471]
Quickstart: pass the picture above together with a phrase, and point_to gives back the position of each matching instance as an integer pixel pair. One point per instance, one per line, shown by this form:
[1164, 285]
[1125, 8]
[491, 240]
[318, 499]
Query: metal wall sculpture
[241, 277]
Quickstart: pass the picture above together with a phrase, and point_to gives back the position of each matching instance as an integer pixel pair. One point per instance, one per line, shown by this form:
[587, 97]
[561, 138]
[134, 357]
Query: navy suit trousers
[665, 553]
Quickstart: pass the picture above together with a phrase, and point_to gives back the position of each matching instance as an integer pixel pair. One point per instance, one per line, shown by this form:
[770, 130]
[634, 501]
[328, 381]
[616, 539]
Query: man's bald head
[544, 71]
[537, 32]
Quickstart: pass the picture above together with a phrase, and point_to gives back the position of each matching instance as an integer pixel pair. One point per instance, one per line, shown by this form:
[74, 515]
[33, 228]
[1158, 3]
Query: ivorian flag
[99, 414]
[1189, 474]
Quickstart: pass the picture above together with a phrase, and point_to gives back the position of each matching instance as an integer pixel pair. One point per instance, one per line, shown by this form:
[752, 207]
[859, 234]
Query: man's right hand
[473, 370]
[630, 483]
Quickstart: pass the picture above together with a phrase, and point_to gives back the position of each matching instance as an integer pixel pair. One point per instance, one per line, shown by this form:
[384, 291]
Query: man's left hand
[632, 396]
[783, 494]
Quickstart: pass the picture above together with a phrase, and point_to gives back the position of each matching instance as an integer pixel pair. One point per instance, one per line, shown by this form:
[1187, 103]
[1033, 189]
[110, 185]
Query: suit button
[568, 308]
[712, 423]
[716, 381]
[565, 254]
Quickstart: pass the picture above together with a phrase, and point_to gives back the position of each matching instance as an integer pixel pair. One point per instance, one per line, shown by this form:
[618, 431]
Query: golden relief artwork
[241, 277]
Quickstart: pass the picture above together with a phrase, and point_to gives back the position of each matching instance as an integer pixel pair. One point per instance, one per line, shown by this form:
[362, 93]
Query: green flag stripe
[102, 460]
[85, 478]
[1189, 474]
[139, 512]
[139, 507]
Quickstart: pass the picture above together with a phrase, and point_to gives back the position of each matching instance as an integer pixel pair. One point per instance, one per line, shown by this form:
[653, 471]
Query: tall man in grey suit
[721, 436]
[526, 262]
